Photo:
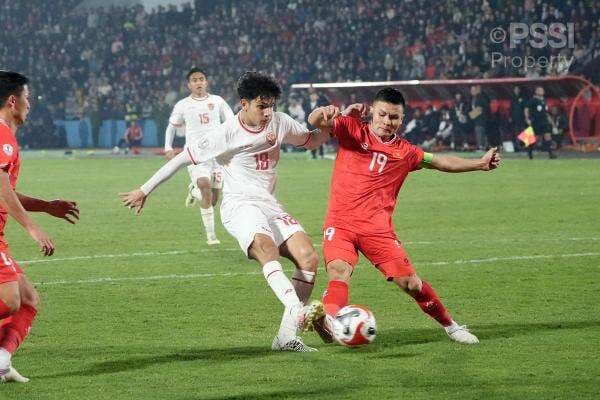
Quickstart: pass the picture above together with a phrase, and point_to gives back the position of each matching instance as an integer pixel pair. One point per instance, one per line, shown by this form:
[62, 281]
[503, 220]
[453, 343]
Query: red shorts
[384, 251]
[9, 269]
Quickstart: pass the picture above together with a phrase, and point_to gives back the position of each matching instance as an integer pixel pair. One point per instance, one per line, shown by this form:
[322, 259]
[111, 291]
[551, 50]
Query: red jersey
[367, 177]
[10, 163]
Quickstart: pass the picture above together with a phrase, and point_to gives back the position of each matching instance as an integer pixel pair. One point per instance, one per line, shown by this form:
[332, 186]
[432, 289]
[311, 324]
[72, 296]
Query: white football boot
[460, 334]
[190, 200]
[13, 376]
[294, 344]
[212, 240]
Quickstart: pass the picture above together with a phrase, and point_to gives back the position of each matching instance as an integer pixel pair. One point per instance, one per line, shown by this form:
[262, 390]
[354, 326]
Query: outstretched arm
[11, 203]
[64, 209]
[489, 161]
[316, 138]
[136, 198]
[169, 137]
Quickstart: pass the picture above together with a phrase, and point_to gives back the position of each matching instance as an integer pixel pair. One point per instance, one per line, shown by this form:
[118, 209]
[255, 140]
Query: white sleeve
[293, 132]
[225, 111]
[166, 171]
[176, 117]
[169, 137]
[209, 147]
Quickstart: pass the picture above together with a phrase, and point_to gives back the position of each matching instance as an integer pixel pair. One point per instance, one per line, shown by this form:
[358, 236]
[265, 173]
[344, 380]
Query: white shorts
[244, 218]
[209, 169]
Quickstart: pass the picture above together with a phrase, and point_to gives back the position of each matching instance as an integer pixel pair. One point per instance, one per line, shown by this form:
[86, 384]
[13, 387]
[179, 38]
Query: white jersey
[249, 157]
[199, 117]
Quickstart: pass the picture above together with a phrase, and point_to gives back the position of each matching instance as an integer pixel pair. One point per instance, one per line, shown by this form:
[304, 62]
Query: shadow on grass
[400, 337]
[134, 363]
[387, 342]
[305, 393]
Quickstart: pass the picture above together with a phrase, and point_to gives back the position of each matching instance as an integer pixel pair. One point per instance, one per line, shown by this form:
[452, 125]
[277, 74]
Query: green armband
[427, 159]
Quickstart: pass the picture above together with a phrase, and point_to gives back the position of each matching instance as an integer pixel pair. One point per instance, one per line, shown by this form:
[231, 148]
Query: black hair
[252, 85]
[11, 83]
[193, 70]
[390, 95]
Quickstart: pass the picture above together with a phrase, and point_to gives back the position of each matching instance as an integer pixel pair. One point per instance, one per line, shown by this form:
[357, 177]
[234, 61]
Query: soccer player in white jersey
[199, 114]
[248, 148]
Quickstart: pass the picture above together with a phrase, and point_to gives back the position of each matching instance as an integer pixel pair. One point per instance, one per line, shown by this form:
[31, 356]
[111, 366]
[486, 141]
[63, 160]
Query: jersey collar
[200, 98]
[247, 128]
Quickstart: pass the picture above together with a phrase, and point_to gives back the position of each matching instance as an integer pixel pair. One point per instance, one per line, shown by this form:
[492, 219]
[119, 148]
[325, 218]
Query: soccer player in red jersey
[18, 298]
[372, 163]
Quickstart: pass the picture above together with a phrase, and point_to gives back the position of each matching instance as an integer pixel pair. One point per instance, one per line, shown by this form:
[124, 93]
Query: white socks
[280, 284]
[304, 282]
[284, 290]
[4, 360]
[208, 218]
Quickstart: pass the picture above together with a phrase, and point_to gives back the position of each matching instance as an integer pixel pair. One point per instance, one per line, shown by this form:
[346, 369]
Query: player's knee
[12, 302]
[309, 259]
[414, 284]
[339, 270]
[204, 186]
[31, 298]
[263, 247]
[411, 283]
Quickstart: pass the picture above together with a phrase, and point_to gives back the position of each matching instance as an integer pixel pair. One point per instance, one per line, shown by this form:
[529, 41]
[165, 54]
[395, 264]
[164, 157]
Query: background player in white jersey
[199, 114]
[248, 148]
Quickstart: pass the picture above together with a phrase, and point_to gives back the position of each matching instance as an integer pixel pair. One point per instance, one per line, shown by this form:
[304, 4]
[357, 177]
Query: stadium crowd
[128, 63]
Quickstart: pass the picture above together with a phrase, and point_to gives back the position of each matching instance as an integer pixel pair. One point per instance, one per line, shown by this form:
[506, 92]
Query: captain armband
[427, 159]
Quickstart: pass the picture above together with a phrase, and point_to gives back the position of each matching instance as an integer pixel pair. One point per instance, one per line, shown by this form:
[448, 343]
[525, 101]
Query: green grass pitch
[140, 308]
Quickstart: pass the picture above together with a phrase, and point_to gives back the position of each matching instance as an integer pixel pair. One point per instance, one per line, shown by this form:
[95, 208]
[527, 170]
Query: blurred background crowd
[129, 63]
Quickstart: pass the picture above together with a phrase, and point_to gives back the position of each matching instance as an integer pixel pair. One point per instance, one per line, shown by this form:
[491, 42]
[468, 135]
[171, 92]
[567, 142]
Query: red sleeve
[415, 157]
[6, 149]
[341, 126]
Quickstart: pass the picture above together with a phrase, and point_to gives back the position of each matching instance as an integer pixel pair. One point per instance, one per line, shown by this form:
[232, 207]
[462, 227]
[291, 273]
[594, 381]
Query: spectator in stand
[132, 139]
[126, 52]
[479, 113]
[314, 100]
[460, 122]
[296, 111]
[445, 132]
[516, 116]
[415, 128]
[560, 125]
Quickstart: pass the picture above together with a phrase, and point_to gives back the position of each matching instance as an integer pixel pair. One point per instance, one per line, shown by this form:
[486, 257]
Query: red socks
[431, 305]
[16, 330]
[335, 297]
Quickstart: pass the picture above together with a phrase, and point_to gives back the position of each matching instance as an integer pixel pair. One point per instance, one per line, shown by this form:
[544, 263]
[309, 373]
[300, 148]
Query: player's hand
[330, 113]
[357, 110]
[134, 200]
[66, 210]
[43, 240]
[169, 154]
[491, 159]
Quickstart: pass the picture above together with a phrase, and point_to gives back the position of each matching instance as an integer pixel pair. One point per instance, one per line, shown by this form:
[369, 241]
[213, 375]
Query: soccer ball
[354, 326]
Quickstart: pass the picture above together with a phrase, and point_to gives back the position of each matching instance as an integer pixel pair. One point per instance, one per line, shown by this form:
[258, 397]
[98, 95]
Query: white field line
[213, 250]
[227, 274]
